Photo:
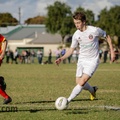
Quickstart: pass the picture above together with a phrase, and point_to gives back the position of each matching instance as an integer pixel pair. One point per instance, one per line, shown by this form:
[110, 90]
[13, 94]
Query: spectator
[57, 53]
[11, 56]
[116, 55]
[32, 56]
[50, 57]
[16, 55]
[62, 54]
[69, 59]
[8, 56]
[105, 56]
[74, 56]
[100, 54]
[40, 56]
[23, 55]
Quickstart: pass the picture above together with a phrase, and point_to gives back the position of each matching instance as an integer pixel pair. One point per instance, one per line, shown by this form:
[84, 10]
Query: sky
[33, 8]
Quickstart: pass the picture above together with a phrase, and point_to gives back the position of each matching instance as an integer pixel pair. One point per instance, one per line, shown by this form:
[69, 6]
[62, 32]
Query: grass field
[34, 89]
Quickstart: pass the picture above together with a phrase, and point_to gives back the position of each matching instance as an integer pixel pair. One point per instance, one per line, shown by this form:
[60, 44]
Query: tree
[59, 19]
[89, 15]
[36, 20]
[7, 19]
[110, 21]
[114, 20]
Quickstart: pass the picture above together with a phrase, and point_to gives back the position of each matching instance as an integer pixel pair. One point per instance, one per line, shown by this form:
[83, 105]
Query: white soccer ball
[61, 103]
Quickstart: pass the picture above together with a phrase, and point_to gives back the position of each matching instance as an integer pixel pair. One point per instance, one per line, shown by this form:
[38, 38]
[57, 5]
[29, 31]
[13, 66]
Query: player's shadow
[83, 100]
[33, 102]
[50, 101]
[37, 110]
[69, 110]
[80, 111]
[34, 110]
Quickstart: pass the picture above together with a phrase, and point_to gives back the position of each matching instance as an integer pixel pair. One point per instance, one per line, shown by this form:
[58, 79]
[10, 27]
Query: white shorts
[86, 67]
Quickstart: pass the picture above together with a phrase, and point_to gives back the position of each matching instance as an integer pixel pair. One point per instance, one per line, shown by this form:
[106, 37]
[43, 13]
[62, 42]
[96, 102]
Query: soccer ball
[61, 103]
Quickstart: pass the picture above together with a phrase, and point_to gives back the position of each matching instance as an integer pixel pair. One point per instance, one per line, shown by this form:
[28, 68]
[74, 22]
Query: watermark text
[8, 109]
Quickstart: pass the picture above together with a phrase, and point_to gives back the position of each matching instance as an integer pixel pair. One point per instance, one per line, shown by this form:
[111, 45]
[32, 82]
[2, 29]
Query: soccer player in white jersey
[88, 61]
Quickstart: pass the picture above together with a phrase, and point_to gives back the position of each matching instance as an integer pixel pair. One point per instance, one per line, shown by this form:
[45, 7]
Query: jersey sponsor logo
[90, 37]
[79, 39]
[86, 46]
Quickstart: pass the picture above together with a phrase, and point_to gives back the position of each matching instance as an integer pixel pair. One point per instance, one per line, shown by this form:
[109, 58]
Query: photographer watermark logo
[9, 109]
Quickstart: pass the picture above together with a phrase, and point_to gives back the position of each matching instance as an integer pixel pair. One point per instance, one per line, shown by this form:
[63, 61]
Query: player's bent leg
[78, 88]
[88, 87]
[82, 80]
[93, 95]
[91, 89]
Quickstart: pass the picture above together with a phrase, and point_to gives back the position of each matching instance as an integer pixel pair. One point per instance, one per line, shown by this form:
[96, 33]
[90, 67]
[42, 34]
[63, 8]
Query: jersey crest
[90, 37]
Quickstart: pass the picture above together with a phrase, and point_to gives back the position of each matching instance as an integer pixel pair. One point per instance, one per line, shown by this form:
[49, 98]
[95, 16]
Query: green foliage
[89, 15]
[110, 20]
[66, 27]
[7, 19]
[58, 19]
[36, 20]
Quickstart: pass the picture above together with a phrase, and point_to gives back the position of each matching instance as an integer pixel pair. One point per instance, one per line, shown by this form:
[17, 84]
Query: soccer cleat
[93, 95]
[8, 100]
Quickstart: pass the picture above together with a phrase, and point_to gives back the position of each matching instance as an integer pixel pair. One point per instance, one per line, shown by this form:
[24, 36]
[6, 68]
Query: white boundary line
[103, 70]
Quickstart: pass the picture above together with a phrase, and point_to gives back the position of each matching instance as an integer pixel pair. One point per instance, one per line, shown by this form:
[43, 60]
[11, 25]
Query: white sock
[76, 90]
[88, 87]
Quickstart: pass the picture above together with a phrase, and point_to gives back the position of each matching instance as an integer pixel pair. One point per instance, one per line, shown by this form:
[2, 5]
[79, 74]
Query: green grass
[34, 89]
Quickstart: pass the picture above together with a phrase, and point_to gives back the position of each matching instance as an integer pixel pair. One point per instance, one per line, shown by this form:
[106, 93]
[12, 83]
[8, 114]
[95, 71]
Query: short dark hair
[79, 16]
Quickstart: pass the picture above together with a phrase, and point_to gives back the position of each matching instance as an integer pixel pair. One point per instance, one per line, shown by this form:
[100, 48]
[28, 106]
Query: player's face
[79, 24]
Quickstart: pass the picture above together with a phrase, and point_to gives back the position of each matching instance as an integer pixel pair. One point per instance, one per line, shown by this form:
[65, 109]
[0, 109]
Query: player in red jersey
[3, 46]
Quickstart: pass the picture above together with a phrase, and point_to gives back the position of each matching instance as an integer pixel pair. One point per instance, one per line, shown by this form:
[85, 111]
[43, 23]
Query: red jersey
[2, 38]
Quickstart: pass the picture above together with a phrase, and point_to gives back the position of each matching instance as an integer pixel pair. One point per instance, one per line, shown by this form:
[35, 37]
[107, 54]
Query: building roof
[46, 38]
[25, 31]
[36, 32]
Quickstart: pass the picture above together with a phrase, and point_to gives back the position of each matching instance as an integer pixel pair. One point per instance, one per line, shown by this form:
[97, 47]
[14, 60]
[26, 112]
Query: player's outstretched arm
[4, 46]
[67, 54]
[111, 48]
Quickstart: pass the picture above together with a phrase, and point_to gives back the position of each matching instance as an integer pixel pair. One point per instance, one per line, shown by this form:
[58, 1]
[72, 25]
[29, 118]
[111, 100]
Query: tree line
[59, 20]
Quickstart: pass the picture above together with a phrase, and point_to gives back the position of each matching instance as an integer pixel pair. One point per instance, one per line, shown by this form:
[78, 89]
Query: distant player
[88, 39]
[3, 45]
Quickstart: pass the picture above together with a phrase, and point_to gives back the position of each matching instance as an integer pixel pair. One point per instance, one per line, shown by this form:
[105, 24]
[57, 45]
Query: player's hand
[58, 61]
[109, 39]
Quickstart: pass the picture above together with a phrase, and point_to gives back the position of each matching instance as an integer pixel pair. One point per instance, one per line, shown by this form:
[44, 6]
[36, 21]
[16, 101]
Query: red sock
[3, 93]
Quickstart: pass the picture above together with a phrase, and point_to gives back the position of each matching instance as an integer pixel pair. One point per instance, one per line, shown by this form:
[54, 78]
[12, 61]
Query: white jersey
[88, 41]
